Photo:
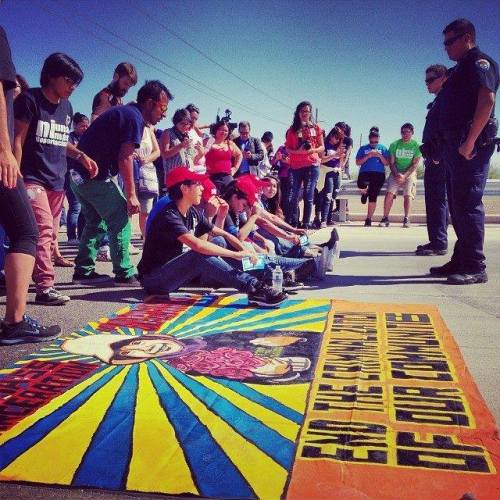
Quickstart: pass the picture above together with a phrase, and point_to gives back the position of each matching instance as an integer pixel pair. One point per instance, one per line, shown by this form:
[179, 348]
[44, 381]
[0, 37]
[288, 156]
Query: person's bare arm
[208, 248]
[126, 168]
[232, 240]
[237, 157]
[412, 167]
[20, 132]
[88, 163]
[9, 167]
[166, 150]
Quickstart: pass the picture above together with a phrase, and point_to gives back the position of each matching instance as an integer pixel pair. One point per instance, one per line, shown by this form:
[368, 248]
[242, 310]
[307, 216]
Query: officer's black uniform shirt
[431, 121]
[460, 91]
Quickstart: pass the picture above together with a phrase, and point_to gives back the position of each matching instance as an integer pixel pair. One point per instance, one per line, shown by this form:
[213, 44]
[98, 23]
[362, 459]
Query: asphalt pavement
[375, 265]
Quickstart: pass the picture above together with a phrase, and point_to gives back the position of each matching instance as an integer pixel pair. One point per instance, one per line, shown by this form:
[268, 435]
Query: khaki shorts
[409, 187]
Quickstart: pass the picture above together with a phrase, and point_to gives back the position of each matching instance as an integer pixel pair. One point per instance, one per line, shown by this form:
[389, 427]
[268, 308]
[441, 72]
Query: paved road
[376, 265]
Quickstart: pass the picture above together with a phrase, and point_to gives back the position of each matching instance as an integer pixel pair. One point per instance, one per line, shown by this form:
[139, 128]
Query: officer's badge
[483, 64]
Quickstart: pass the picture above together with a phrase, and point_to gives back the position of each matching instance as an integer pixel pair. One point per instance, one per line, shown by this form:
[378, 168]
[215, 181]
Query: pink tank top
[219, 161]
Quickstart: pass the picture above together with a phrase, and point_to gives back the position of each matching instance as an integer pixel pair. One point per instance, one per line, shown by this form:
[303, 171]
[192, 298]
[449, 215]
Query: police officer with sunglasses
[467, 127]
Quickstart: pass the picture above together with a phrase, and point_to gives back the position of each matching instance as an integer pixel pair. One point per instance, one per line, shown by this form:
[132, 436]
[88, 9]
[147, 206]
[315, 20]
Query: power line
[232, 101]
[212, 60]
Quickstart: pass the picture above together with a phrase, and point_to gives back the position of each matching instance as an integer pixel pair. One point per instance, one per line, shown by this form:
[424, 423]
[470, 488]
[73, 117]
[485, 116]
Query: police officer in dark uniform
[467, 127]
[436, 205]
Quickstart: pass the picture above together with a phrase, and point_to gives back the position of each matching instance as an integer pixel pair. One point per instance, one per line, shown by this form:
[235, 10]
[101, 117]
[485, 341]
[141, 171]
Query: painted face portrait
[277, 357]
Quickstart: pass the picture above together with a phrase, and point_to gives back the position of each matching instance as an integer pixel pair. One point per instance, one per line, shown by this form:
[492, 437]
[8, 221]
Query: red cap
[209, 189]
[181, 174]
[258, 183]
[249, 186]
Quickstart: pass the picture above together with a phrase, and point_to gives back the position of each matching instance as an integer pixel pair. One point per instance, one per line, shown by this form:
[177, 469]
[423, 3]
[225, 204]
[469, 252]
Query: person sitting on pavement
[177, 249]
[103, 202]
[241, 222]
[405, 157]
[372, 159]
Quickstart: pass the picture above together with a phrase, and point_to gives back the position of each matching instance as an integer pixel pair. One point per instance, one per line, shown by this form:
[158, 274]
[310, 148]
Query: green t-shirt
[404, 152]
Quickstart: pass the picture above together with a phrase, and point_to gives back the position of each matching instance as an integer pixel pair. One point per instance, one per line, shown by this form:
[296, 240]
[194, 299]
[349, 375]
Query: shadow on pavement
[336, 281]
[351, 253]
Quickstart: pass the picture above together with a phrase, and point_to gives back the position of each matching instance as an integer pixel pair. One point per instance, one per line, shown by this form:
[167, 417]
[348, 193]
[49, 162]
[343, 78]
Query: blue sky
[358, 61]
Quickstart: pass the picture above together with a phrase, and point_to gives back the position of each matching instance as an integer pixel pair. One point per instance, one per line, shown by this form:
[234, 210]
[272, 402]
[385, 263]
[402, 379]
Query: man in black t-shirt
[16, 216]
[42, 119]
[177, 249]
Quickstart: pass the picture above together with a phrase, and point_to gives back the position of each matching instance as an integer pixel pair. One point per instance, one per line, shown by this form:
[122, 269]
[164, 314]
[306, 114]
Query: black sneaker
[130, 281]
[444, 270]
[27, 330]
[406, 222]
[51, 297]
[428, 249]
[467, 278]
[334, 237]
[384, 222]
[368, 222]
[364, 197]
[89, 279]
[266, 296]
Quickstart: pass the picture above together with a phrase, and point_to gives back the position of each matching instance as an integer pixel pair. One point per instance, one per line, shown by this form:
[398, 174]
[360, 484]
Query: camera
[227, 119]
[306, 145]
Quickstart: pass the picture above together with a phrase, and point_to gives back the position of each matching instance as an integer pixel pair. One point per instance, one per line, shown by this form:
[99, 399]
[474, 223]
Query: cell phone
[248, 266]
[304, 240]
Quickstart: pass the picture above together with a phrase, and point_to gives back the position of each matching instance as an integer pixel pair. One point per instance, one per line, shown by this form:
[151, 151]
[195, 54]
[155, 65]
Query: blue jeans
[309, 177]
[466, 183]
[329, 193]
[436, 204]
[189, 265]
[75, 221]
[283, 247]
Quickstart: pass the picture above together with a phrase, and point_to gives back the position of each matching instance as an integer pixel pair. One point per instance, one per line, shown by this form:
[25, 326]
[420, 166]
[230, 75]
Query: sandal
[60, 261]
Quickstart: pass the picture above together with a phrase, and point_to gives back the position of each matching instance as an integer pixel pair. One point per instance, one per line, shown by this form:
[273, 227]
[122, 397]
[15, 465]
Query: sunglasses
[431, 79]
[452, 40]
[163, 108]
[406, 131]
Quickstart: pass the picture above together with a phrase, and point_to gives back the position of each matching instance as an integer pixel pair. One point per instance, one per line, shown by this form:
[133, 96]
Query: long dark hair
[297, 122]
[274, 203]
[336, 132]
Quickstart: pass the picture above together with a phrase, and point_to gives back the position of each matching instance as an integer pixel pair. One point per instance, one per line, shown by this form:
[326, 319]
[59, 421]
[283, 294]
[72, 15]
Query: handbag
[147, 182]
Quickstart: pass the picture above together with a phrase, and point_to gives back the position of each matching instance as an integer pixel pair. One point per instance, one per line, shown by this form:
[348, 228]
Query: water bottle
[278, 279]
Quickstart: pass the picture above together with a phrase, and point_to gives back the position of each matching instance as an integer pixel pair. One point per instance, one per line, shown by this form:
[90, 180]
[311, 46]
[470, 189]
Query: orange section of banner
[393, 412]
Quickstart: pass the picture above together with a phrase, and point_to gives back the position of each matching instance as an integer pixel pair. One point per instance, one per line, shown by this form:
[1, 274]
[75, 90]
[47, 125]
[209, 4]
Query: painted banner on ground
[206, 396]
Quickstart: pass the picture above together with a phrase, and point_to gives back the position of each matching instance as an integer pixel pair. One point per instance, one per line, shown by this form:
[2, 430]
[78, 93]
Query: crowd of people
[215, 205]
